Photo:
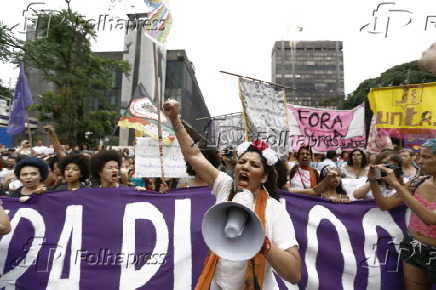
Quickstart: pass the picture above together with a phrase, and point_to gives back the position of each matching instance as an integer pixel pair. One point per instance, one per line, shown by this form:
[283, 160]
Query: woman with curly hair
[32, 172]
[74, 169]
[105, 167]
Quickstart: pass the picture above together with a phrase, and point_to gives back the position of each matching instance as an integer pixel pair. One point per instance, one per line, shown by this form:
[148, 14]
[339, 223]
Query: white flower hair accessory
[261, 147]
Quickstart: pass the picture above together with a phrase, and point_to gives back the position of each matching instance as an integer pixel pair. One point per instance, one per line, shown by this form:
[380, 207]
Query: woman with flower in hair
[255, 172]
[419, 194]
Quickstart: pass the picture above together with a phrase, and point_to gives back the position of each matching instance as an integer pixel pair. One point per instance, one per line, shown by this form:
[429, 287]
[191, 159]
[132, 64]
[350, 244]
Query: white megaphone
[232, 230]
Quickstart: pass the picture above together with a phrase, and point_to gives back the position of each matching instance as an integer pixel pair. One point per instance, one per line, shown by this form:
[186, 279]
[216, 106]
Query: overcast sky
[238, 36]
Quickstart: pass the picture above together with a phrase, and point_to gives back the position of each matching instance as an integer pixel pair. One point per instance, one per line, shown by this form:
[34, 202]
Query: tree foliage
[407, 73]
[5, 92]
[62, 52]
[8, 43]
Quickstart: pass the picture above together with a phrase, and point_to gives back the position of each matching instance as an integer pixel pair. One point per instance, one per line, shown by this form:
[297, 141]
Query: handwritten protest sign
[265, 114]
[327, 130]
[228, 131]
[405, 109]
[147, 159]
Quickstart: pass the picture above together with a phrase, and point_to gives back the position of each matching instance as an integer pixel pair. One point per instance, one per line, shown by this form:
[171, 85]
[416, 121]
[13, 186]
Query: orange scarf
[259, 260]
[313, 177]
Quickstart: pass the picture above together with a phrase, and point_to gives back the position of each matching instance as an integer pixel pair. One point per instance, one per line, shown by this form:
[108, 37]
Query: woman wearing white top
[254, 171]
[356, 167]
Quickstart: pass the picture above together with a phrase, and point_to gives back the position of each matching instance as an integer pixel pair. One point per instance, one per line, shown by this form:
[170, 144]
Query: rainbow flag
[160, 21]
[142, 116]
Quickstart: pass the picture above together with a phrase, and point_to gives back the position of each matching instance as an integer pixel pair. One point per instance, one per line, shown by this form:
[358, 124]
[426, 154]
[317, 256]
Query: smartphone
[378, 173]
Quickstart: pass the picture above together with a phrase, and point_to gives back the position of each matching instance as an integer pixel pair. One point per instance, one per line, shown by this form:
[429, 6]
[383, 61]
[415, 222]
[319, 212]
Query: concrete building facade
[314, 68]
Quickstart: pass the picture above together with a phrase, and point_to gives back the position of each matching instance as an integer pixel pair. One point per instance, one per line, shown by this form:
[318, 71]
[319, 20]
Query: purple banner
[347, 246]
[414, 141]
[121, 239]
[105, 239]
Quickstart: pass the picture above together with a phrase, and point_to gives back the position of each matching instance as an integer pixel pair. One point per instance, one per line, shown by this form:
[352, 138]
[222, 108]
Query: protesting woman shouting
[254, 171]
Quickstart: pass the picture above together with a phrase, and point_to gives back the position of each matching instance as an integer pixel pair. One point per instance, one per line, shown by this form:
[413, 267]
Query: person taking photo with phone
[388, 159]
[419, 194]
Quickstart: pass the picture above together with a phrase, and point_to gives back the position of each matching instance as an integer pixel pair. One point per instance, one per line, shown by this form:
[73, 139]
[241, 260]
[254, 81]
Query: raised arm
[5, 224]
[426, 215]
[190, 151]
[428, 59]
[317, 190]
[384, 203]
[55, 141]
[362, 191]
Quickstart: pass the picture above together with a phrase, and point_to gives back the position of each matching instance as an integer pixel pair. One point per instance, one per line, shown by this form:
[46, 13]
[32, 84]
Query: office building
[314, 68]
[181, 85]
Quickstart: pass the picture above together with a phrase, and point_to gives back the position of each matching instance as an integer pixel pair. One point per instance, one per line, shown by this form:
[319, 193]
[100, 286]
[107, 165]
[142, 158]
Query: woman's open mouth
[243, 180]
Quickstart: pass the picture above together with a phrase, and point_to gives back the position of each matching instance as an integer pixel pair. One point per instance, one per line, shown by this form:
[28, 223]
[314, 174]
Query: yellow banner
[404, 110]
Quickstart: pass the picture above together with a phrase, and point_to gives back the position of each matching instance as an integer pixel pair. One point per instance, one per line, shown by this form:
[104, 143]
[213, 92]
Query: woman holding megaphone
[255, 172]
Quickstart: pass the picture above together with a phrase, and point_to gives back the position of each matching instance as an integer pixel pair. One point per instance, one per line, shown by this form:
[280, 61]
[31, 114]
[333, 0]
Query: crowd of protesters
[72, 167]
[384, 177]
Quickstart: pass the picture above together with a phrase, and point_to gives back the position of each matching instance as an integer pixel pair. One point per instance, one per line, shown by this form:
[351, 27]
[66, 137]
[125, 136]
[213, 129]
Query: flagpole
[29, 131]
[257, 80]
[158, 105]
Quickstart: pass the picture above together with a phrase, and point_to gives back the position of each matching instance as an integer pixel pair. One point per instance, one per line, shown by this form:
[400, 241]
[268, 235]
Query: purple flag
[22, 99]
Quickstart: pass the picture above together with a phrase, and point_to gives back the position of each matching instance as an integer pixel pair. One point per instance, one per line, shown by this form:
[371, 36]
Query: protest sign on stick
[148, 156]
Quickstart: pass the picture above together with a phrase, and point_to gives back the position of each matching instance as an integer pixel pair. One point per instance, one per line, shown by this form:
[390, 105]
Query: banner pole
[116, 126]
[29, 131]
[158, 105]
[257, 80]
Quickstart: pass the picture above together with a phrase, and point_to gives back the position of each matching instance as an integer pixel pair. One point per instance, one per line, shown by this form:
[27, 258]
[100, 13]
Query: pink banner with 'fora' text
[326, 130]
